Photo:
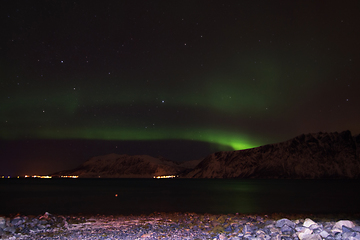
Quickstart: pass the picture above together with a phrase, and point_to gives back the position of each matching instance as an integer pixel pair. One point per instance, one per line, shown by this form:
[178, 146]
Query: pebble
[176, 226]
[308, 222]
[2, 222]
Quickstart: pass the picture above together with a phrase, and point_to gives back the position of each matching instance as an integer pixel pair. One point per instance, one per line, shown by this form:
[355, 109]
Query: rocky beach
[180, 226]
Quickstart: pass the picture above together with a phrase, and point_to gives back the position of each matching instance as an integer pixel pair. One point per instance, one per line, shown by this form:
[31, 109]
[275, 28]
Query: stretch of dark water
[137, 196]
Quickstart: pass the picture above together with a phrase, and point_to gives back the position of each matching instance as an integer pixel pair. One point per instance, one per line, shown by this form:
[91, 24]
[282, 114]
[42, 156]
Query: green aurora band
[220, 138]
[113, 113]
[73, 114]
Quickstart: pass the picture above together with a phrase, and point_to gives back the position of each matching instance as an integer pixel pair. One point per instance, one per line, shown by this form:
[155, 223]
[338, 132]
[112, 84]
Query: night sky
[178, 79]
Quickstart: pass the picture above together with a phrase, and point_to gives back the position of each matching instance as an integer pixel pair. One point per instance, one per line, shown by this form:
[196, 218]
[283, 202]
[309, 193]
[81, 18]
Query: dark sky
[180, 79]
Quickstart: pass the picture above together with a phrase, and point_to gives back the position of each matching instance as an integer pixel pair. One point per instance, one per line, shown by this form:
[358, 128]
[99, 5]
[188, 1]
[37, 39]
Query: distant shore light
[165, 176]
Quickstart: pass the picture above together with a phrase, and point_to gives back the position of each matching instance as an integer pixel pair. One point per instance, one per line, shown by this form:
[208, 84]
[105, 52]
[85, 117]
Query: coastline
[175, 226]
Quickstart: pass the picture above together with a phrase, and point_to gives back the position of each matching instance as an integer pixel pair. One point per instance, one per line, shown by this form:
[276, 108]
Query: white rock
[308, 222]
[338, 225]
[311, 237]
[324, 234]
[315, 226]
[304, 233]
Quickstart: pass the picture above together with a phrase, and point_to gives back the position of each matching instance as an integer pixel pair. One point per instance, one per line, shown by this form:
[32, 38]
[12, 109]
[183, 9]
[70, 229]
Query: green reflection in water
[235, 195]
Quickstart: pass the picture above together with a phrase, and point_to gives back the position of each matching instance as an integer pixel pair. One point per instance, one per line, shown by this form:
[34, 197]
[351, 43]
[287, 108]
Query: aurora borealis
[223, 75]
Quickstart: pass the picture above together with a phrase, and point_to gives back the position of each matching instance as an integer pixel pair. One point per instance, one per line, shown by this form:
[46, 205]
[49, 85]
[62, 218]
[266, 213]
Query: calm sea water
[137, 196]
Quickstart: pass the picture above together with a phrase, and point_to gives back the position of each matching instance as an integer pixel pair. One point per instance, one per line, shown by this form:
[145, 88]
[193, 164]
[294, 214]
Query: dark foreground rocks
[177, 226]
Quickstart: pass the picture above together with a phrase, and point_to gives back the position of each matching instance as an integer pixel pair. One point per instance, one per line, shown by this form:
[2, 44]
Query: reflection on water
[136, 196]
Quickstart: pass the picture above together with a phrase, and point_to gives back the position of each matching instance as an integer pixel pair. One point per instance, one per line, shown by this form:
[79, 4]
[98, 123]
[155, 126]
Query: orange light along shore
[39, 176]
[165, 176]
[69, 176]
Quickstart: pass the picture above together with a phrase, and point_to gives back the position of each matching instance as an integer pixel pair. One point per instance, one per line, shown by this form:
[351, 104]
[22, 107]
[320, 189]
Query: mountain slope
[320, 155]
[124, 166]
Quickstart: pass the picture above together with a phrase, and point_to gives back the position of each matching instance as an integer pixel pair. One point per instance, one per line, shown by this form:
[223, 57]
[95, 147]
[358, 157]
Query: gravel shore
[179, 226]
